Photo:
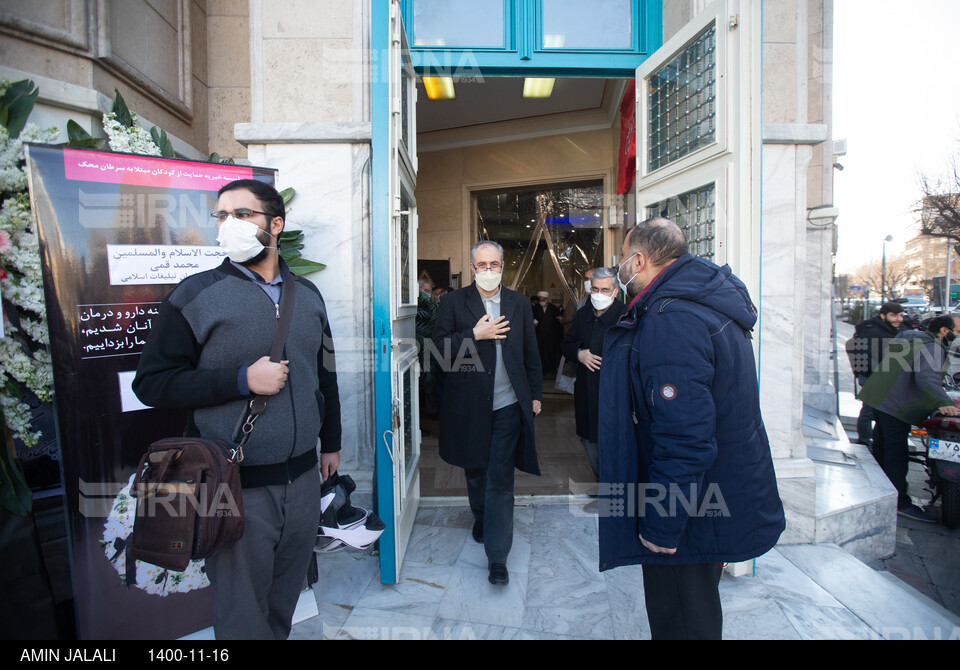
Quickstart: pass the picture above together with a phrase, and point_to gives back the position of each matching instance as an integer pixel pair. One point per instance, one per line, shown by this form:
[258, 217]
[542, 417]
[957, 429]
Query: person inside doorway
[548, 321]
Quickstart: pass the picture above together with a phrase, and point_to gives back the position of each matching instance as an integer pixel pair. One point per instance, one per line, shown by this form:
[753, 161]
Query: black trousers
[683, 601]
[490, 491]
[891, 449]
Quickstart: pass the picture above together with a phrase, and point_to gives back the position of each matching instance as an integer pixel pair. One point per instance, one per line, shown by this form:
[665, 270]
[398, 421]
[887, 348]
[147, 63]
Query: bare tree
[939, 208]
[898, 274]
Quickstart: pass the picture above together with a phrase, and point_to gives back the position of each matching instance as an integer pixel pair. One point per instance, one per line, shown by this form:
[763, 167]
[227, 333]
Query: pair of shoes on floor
[917, 514]
[478, 532]
[498, 574]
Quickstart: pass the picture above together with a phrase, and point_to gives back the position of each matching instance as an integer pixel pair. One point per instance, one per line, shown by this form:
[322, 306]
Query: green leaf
[124, 117]
[289, 255]
[16, 105]
[302, 267]
[291, 236]
[159, 136]
[287, 195]
[78, 138]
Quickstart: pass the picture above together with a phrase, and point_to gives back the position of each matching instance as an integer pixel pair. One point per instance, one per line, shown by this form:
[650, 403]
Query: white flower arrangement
[21, 285]
[150, 578]
[132, 140]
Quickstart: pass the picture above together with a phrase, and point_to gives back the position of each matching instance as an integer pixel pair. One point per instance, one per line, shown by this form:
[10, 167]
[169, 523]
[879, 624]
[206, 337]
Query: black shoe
[498, 574]
[478, 532]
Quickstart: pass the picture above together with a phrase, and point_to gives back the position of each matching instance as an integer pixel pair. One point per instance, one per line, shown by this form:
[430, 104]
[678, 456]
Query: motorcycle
[940, 436]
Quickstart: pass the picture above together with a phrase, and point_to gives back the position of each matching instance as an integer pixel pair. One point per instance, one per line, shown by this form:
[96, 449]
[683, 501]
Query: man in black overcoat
[584, 343]
[548, 324]
[493, 387]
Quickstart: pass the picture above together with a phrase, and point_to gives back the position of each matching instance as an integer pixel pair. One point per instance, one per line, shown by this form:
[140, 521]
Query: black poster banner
[117, 232]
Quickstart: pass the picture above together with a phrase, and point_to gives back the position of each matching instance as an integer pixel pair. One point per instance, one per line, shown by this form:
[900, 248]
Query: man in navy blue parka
[683, 450]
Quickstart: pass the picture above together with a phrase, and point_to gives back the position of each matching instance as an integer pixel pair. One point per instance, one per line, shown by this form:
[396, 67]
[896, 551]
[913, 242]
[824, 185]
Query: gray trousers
[257, 580]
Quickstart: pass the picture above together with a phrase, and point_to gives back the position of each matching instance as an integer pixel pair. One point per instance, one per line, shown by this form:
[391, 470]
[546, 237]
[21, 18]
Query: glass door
[394, 180]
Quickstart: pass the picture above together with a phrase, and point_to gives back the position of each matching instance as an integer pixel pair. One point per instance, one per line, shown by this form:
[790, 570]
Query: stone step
[889, 607]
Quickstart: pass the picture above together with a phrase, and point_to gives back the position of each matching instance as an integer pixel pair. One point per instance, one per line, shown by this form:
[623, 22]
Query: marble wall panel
[781, 302]
[330, 207]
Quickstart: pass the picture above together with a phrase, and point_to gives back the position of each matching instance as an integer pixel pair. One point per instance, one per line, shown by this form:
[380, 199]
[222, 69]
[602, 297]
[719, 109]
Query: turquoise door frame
[380, 116]
[522, 55]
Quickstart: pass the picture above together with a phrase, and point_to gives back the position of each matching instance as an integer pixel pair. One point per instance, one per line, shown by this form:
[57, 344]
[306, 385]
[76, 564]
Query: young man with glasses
[493, 387]
[208, 353]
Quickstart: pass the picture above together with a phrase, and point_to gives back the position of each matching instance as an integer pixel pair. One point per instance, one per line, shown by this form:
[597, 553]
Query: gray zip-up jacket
[211, 326]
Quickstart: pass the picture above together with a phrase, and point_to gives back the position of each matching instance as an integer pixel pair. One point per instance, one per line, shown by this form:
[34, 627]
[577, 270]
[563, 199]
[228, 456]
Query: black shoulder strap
[259, 402]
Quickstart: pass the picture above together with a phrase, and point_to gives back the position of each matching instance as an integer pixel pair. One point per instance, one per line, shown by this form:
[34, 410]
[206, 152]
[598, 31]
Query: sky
[896, 100]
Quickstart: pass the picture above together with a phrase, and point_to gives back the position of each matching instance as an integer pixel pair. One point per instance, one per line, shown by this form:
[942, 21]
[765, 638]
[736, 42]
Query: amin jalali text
[68, 655]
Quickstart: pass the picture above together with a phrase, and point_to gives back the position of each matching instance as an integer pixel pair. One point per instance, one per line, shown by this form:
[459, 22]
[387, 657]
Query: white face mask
[600, 301]
[239, 239]
[623, 286]
[489, 280]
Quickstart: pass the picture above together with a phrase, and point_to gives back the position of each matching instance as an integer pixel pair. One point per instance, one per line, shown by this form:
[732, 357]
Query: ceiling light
[553, 41]
[439, 88]
[537, 87]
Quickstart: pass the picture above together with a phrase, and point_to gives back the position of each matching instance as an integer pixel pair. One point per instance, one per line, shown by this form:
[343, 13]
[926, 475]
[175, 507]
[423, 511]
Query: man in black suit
[492, 391]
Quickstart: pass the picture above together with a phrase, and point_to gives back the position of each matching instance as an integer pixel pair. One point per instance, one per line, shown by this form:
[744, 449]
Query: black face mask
[950, 337]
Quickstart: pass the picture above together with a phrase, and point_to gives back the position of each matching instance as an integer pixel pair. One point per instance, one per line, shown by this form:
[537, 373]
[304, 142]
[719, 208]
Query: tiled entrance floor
[557, 592]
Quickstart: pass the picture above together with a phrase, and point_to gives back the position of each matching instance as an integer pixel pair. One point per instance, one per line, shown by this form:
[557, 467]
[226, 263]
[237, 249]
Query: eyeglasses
[483, 267]
[243, 214]
[604, 291]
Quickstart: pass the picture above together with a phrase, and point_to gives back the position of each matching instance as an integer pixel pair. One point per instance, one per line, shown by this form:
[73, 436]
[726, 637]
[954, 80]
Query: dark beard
[264, 252]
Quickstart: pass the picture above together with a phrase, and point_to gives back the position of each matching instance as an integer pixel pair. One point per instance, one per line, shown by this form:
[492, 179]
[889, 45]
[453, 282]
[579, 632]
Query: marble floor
[556, 591]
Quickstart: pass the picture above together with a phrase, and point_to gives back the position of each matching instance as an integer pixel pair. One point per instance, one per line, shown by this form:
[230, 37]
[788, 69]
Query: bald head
[661, 240]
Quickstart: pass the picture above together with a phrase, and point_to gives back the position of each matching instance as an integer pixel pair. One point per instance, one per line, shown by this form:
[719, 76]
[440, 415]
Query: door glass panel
[458, 23]
[599, 24]
[405, 107]
[696, 213]
[682, 103]
[409, 444]
[406, 290]
[550, 236]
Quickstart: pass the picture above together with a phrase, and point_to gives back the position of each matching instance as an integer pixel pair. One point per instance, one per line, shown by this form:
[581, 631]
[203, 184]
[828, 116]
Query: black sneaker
[917, 514]
[478, 532]
[498, 574]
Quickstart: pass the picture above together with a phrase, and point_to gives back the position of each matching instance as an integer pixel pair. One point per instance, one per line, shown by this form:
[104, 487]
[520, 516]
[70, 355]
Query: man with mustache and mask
[683, 451]
[493, 387]
[208, 353]
[583, 343]
[904, 389]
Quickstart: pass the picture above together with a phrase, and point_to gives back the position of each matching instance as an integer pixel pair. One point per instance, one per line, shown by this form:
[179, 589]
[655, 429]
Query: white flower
[133, 140]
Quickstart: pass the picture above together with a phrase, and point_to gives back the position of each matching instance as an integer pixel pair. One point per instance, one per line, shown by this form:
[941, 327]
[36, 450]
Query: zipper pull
[277, 305]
